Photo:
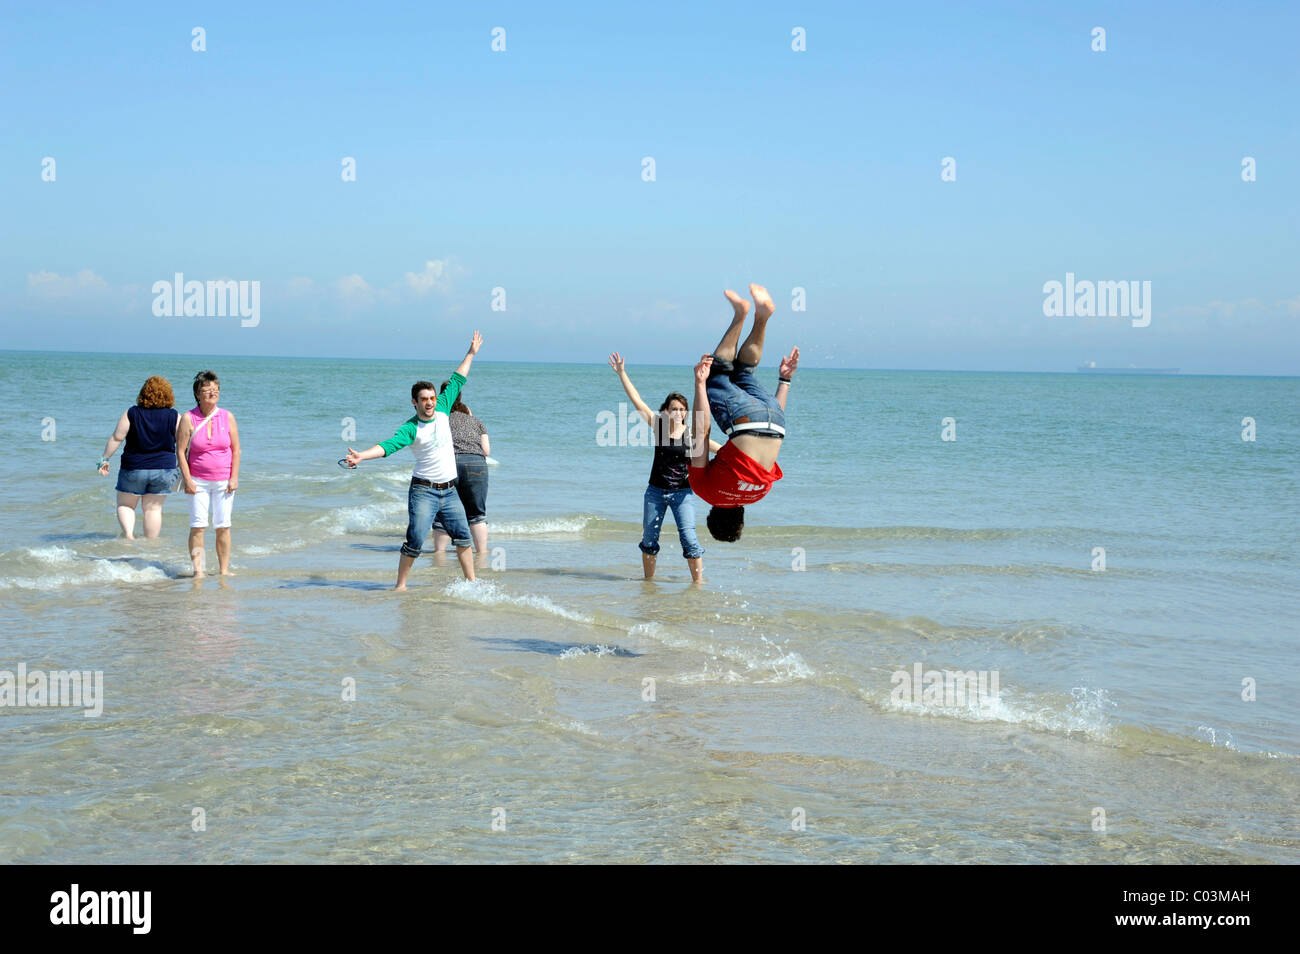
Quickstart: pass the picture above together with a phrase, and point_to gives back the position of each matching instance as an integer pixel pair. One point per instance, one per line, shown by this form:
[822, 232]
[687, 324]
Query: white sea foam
[649, 628]
[1218, 738]
[384, 516]
[1086, 713]
[392, 475]
[786, 667]
[75, 570]
[52, 555]
[575, 652]
[259, 550]
[765, 664]
[570, 524]
[708, 675]
[489, 593]
[305, 478]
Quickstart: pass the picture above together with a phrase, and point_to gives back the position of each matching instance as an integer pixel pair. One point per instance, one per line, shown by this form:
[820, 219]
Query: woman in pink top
[207, 449]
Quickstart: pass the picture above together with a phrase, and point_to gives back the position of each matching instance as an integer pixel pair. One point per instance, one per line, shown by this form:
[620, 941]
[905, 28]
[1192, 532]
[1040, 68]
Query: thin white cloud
[1225, 315]
[353, 287]
[428, 278]
[85, 290]
[84, 284]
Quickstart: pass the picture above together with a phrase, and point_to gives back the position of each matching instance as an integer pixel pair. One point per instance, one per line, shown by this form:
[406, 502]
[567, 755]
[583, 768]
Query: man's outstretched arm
[403, 438]
[475, 343]
[448, 397]
[702, 417]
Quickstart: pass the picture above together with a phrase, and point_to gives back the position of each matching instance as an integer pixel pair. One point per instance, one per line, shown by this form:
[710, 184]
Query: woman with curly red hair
[148, 471]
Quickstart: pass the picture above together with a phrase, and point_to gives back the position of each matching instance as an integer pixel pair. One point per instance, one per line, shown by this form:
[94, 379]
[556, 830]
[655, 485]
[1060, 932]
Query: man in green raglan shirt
[433, 482]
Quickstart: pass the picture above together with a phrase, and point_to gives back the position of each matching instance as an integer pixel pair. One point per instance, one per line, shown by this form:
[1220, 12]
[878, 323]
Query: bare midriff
[763, 450]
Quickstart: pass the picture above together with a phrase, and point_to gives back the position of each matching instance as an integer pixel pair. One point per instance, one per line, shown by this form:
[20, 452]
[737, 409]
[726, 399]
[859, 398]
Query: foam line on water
[488, 593]
[364, 518]
[767, 663]
[597, 650]
[254, 549]
[572, 523]
[1086, 713]
[55, 567]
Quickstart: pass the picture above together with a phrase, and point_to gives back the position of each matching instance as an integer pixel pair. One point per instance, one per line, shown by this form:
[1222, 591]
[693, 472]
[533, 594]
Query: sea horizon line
[1072, 372]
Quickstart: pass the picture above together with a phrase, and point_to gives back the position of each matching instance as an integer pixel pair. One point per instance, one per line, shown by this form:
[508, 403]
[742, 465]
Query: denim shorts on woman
[141, 482]
[736, 397]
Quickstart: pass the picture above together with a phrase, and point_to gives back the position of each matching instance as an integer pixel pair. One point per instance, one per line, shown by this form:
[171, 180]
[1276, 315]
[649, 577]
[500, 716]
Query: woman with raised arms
[669, 487]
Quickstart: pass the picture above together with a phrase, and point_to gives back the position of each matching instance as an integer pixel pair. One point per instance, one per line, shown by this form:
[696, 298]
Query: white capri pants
[213, 491]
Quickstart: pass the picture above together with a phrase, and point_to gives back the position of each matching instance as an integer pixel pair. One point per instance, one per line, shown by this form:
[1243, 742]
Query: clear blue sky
[522, 169]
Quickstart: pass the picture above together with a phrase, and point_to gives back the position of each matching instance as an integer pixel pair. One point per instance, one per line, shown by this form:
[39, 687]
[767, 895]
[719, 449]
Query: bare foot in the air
[738, 303]
[763, 306]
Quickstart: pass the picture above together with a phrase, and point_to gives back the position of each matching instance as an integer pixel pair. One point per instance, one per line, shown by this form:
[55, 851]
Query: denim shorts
[423, 504]
[141, 482]
[736, 397]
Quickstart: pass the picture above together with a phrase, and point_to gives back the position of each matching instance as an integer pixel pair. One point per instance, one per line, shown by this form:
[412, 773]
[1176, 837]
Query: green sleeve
[405, 434]
[448, 397]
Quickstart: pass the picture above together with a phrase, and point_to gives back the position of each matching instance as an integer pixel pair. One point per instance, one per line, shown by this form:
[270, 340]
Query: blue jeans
[682, 503]
[736, 397]
[471, 487]
[422, 505]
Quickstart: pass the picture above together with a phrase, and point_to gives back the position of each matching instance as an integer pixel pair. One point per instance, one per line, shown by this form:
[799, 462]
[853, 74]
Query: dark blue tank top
[151, 441]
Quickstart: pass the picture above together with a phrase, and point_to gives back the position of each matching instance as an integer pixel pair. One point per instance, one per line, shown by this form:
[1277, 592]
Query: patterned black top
[466, 429]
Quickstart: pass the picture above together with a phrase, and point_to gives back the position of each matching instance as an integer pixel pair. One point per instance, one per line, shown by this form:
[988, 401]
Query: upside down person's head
[726, 523]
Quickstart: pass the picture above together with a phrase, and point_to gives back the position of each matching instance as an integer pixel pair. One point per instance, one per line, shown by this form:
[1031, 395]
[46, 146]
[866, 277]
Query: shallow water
[523, 695]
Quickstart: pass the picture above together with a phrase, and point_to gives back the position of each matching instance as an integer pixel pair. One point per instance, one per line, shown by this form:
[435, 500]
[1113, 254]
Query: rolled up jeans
[682, 502]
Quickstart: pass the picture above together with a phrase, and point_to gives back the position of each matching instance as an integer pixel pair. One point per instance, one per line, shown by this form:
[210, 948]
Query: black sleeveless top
[671, 469]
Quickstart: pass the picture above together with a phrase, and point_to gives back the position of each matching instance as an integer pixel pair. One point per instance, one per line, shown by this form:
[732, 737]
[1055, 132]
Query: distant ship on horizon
[1091, 368]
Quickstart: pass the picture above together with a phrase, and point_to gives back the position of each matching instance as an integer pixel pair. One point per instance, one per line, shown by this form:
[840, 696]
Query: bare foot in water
[763, 306]
[738, 303]
[400, 589]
